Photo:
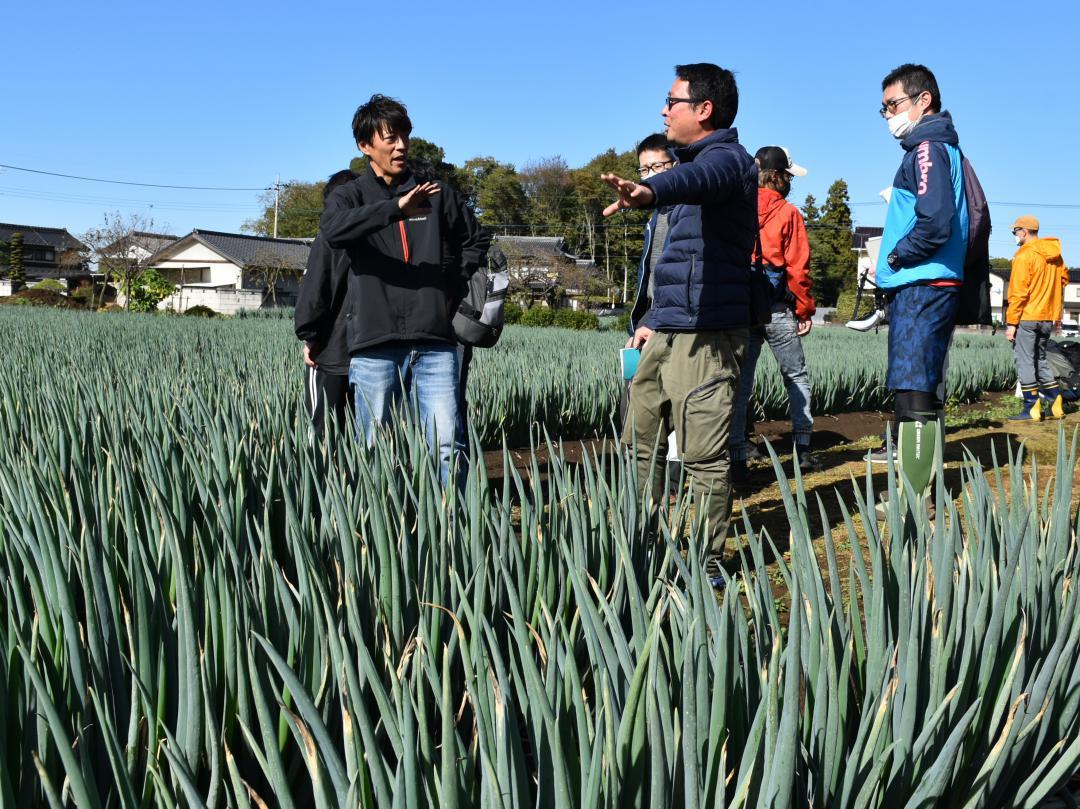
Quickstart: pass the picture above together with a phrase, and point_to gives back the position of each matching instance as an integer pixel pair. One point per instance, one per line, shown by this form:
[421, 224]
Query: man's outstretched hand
[416, 201]
[631, 194]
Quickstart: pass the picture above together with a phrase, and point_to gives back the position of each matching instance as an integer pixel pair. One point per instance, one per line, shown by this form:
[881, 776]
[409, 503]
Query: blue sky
[232, 94]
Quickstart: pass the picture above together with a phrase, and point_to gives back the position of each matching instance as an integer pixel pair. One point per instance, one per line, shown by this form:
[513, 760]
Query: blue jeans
[786, 346]
[386, 375]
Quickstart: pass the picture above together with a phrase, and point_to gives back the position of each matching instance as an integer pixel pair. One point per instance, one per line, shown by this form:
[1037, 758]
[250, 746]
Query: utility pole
[277, 195]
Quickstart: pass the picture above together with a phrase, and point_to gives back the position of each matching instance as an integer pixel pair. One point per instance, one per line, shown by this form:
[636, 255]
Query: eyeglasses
[671, 101]
[652, 168]
[893, 103]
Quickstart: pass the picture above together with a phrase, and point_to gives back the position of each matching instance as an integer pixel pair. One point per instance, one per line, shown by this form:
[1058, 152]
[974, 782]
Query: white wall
[198, 256]
[998, 303]
[223, 301]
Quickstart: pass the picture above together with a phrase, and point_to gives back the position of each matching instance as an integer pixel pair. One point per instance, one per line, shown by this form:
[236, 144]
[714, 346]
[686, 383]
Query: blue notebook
[628, 359]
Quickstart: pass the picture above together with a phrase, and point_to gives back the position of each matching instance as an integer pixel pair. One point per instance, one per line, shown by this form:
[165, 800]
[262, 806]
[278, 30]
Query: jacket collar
[371, 179]
[687, 153]
[937, 127]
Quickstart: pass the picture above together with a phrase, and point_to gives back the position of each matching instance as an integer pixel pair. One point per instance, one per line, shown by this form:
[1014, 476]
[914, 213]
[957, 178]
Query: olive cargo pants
[686, 382]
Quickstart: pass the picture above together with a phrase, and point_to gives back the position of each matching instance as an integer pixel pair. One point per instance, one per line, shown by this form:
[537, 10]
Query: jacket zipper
[689, 283]
[404, 240]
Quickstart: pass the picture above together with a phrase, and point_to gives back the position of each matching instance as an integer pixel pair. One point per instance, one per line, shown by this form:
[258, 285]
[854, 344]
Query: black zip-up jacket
[406, 277]
[319, 318]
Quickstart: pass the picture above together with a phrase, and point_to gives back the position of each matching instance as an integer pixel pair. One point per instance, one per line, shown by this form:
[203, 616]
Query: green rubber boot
[917, 453]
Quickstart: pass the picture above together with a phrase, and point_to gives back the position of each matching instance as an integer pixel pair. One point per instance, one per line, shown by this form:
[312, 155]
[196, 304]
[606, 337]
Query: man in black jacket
[694, 336]
[320, 322]
[411, 245]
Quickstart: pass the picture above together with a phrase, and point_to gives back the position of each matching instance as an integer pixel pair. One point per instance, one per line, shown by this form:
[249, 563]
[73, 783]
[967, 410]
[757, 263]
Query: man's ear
[364, 147]
[705, 110]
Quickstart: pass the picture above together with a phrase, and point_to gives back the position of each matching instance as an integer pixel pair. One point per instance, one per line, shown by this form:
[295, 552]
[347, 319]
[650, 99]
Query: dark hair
[378, 114]
[711, 83]
[916, 80]
[338, 178]
[654, 143]
[776, 179]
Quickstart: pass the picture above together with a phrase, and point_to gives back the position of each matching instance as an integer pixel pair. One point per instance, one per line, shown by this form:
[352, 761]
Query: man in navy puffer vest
[695, 334]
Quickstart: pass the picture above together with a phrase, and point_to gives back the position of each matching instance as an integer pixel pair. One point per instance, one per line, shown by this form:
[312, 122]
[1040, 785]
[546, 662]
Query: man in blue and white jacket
[695, 334]
[921, 262]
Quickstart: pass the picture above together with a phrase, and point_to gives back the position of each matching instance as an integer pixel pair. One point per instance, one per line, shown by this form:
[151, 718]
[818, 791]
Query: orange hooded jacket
[784, 244]
[1037, 282]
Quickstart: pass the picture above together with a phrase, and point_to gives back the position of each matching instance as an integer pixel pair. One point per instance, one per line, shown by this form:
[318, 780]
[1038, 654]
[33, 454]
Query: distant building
[47, 252]
[860, 243]
[228, 272]
[541, 263]
[138, 245]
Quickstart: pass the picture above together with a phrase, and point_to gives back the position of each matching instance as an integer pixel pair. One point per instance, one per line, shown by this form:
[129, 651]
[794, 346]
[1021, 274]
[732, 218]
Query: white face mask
[900, 125]
[1017, 240]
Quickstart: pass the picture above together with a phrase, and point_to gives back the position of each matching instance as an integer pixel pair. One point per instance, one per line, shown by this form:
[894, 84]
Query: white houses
[228, 272]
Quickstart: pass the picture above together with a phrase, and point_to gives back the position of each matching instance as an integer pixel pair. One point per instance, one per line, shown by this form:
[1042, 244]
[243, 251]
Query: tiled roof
[244, 249]
[861, 234]
[57, 238]
[533, 244]
[538, 246]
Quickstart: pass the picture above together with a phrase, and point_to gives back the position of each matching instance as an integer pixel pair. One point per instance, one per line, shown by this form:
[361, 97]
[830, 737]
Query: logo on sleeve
[923, 155]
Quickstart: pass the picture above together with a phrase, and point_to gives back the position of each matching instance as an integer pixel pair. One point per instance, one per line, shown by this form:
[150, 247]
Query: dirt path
[841, 442]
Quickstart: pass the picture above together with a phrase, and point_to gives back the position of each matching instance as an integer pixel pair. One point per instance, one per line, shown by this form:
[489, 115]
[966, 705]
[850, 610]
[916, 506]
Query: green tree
[429, 161]
[495, 192]
[550, 192]
[299, 208]
[1001, 264]
[16, 271]
[615, 243]
[123, 246]
[148, 290]
[832, 260]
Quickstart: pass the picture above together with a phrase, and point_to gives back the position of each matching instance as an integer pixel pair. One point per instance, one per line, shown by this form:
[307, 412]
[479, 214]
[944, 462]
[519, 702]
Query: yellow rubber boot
[1053, 407]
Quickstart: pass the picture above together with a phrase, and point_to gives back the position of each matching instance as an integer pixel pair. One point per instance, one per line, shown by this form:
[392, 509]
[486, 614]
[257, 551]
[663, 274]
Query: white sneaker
[876, 317]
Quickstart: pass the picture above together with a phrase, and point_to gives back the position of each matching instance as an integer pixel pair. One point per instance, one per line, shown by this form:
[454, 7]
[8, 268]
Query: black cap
[778, 159]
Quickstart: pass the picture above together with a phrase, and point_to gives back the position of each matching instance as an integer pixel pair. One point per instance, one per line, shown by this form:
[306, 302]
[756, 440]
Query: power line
[127, 182]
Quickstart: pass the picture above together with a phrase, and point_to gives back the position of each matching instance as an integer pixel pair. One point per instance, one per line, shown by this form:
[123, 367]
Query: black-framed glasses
[893, 103]
[652, 168]
[671, 101]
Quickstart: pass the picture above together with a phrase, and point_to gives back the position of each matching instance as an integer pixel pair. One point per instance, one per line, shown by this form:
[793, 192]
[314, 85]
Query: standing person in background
[654, 157]
[1036, 287]
[694, 336]
[921, 264]
[785, 258]
[411, 246]
[319, 320]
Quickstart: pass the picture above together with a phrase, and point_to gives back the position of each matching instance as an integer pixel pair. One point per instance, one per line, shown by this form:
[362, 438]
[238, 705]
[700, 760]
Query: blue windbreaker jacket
[927, 221]
[702, 280]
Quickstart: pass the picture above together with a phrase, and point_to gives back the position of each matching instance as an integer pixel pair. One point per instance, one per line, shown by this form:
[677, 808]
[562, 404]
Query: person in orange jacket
[785, 258]
[1036, 286]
